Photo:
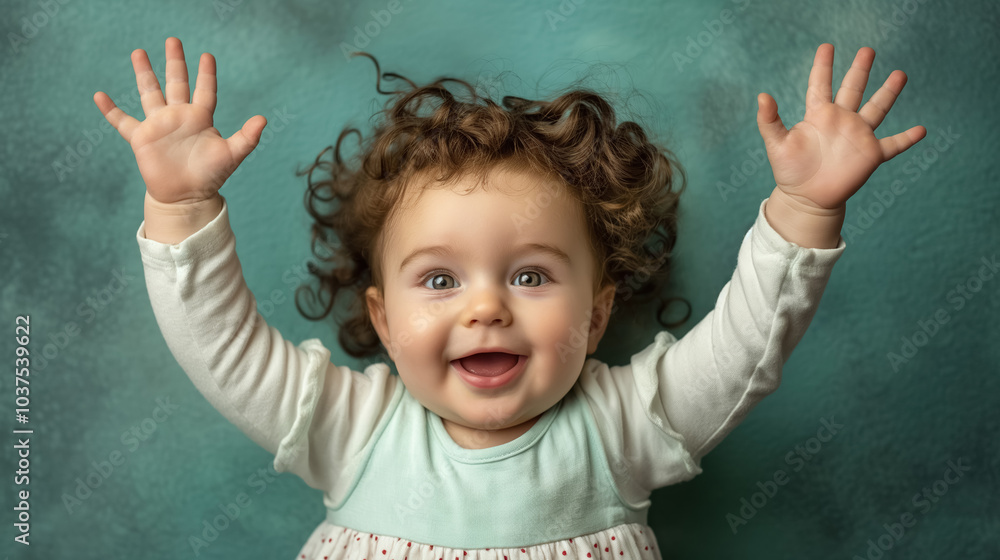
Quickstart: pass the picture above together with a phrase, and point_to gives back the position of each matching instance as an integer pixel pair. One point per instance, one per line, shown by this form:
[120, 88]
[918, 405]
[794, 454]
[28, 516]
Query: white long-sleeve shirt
[654, 418]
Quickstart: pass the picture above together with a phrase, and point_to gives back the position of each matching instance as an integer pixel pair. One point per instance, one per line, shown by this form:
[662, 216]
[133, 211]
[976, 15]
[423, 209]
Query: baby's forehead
[520, 202]
[489, 216]
[534, 191]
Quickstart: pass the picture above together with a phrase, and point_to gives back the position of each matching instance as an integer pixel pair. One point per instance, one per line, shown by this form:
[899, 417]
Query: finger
[772, 130]
[204, 87]
[820, 88]
[245, 139]
[852, 89]
[896, 144]
[178, 90]
[875, 110]
[145, 79]
[120, 120]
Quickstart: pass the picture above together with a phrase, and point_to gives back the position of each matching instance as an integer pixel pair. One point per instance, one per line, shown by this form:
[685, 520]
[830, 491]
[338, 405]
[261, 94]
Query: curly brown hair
[623, 180]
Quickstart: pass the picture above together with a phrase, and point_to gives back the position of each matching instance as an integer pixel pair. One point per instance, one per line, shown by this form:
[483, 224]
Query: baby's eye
[527, 278]
[440, 282]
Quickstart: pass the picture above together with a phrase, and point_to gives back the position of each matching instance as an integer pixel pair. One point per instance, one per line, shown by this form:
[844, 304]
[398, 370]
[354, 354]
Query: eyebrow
[442, 251]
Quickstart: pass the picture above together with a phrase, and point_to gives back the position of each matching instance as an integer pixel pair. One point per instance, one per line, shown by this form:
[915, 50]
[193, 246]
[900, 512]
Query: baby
[482, 248]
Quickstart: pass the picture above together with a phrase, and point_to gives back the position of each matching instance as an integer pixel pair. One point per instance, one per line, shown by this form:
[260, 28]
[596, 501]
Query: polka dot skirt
[330, 542]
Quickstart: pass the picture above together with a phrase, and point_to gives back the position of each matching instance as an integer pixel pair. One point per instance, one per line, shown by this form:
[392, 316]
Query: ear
[376, 311]
[600, 315]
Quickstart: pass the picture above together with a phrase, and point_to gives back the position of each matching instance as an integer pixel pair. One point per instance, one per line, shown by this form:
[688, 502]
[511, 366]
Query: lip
[483, 382]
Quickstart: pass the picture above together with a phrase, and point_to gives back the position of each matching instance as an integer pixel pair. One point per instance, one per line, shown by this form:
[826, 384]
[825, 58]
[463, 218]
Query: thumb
[772, 130]
[245, 139]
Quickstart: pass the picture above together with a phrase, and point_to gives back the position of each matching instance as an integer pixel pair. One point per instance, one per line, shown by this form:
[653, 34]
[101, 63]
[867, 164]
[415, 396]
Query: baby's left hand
[825, 159]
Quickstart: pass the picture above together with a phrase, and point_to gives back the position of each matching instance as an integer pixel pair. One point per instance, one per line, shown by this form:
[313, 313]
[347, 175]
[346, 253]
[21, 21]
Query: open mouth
[490, 370]
[489, 364]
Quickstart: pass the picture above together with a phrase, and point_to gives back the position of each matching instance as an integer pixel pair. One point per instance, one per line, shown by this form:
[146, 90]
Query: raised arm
[677, 399]
[733, 358]
[315, 417]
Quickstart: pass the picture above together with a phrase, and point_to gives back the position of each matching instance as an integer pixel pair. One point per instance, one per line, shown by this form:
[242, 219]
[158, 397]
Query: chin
[487, 419]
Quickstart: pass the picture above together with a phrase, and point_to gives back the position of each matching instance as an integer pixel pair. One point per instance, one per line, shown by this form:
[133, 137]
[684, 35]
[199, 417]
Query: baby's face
[490, 286]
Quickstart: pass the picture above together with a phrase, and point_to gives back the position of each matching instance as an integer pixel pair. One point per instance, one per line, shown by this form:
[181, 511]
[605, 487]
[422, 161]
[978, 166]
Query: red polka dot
[622, 553]
[564, 553]
[647, 548]
[383, 551]
[522, 550]
[612, 538]
[595, 545]
[588, 555]
[407, 544]
[605, 549]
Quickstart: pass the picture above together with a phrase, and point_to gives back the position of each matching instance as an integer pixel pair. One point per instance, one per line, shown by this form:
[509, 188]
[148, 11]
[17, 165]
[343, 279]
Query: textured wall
[72, 200]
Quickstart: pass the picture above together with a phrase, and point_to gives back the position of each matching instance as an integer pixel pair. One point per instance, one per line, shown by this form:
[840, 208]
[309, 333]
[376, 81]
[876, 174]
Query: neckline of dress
[489, 454]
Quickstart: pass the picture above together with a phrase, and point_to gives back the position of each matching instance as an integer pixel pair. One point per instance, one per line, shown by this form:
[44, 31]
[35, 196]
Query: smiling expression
[507, 267]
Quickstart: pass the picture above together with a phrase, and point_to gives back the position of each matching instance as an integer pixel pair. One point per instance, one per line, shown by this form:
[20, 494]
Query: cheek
[404, 325]
[555, 324]
[423, 318]
[422, 328]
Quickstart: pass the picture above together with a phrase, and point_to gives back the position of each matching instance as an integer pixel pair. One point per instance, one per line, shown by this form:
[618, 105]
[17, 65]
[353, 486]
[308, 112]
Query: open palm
[182, 157]
[825, 159]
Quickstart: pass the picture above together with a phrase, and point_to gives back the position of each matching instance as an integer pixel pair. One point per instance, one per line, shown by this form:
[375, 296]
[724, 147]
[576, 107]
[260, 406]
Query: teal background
[66, 233]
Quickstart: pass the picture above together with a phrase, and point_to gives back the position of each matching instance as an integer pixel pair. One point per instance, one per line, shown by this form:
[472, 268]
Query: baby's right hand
[182, 158]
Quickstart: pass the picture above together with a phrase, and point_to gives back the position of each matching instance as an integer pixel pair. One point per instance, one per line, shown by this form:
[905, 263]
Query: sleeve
[694, 391]
[315, 417]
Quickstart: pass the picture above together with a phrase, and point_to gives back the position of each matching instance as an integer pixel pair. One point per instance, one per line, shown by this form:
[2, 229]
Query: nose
[486, 308]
